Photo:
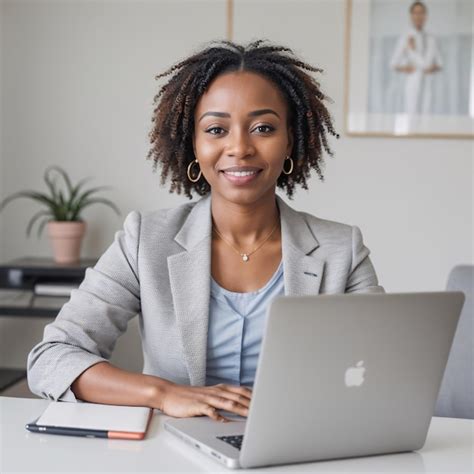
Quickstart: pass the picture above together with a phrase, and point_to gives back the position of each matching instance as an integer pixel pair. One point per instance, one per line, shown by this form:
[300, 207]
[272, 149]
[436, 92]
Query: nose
[240, 144]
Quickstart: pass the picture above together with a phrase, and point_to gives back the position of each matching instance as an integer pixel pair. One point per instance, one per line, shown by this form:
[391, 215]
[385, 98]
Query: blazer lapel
[303, 272]
[190, 282]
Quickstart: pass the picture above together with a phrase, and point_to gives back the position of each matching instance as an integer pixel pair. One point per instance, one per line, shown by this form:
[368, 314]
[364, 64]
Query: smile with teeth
[241, 173]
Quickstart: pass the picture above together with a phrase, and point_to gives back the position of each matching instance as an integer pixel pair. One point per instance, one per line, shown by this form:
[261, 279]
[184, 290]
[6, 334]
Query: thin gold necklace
[245, 256]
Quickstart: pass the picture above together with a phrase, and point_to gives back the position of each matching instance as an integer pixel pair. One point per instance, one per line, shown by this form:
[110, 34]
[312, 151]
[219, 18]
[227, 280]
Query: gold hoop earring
[291, 169]
[189, 170]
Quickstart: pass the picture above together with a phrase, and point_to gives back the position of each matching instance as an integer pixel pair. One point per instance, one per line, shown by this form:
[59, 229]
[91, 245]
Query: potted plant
[62, 216]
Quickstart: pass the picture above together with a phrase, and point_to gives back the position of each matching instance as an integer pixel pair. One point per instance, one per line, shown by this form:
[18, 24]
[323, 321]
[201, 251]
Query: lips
[241, 180]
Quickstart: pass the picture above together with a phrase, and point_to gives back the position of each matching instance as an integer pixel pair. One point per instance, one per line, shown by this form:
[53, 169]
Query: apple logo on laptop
[355, 375]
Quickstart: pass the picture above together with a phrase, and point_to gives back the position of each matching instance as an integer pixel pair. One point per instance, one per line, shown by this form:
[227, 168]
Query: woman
[417, 56]
[231, 124]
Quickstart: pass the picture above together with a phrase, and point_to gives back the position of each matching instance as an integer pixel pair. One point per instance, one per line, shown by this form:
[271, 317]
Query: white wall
[79, 83]
[412, 198]
[78, 88]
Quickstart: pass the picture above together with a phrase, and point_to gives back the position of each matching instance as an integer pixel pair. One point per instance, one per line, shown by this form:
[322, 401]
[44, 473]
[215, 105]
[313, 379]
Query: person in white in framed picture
[417, 56]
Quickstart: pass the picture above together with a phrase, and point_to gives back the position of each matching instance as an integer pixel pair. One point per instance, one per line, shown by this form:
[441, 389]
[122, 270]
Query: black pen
[61, 430]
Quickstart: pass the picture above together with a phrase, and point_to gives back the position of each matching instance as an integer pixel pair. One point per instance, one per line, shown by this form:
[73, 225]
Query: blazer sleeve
[89, 324]
[362, 277]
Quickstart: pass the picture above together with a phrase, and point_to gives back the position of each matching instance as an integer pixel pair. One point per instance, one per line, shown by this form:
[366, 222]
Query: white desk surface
[449, 448]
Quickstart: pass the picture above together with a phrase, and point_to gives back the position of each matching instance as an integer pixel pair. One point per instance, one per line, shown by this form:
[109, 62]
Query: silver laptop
[338, 376]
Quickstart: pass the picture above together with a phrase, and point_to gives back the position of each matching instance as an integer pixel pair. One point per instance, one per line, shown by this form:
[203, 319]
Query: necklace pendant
[245, 257]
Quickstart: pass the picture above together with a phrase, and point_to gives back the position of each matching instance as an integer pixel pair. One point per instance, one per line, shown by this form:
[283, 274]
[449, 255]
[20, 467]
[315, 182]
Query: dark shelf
[18, 279]
[24, 273]
[43, 267]
[30, 312]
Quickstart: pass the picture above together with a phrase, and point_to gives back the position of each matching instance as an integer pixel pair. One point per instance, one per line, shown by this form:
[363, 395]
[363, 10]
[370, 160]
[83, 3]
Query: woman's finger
[222, 398]
[226, 404]
[236, 397]
[211, 412]
[244, 391]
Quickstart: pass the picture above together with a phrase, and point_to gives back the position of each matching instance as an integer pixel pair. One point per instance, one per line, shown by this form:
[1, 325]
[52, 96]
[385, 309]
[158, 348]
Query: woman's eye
[259, 129]
[264, 128]
[215, 130]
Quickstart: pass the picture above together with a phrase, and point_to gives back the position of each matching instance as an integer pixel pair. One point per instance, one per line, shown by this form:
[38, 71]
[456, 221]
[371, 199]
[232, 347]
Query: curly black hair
[173, 116]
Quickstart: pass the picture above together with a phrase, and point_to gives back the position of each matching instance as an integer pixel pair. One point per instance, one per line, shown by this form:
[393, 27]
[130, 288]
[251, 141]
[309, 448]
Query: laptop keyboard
[235, 441]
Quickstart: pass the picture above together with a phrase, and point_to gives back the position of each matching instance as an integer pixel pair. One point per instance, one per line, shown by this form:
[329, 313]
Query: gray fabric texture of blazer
[159, 267]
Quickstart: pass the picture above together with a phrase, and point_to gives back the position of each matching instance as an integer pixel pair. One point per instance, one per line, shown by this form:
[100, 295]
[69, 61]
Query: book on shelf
[54, 289]
[15, 297]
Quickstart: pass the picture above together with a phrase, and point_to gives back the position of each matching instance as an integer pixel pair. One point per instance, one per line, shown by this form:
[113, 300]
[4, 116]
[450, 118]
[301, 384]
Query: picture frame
[409, 69]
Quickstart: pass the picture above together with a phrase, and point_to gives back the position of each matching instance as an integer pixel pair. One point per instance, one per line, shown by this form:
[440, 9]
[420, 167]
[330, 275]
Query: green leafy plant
[64, 203]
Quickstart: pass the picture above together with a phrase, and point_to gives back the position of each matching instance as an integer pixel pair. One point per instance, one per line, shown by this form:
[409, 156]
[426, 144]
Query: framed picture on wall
[409, 68]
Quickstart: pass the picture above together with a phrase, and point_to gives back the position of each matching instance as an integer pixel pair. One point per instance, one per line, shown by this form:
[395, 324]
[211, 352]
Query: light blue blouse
[236, 323]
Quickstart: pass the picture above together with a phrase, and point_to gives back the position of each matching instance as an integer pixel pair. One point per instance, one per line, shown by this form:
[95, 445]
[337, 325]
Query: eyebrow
[254, 113]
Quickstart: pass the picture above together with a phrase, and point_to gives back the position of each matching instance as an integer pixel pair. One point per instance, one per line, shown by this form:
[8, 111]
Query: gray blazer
[159, 267]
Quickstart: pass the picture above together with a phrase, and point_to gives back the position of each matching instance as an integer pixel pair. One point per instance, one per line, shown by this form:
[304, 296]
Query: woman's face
[241, 122]
[418, 17]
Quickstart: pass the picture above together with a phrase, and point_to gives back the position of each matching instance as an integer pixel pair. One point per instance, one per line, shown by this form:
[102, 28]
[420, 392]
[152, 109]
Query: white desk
[449, 448]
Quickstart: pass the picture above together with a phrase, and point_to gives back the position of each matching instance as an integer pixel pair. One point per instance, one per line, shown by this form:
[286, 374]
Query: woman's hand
[406, 69]
[430, 70]
[183, 401]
